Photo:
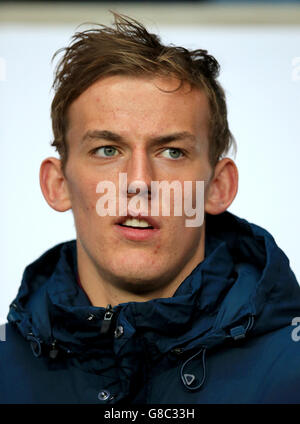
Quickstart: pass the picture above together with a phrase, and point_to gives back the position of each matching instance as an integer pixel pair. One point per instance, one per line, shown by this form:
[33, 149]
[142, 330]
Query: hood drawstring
[187, 378]
[250, 323]
[35, 345]
[236, 333]
[239, 332]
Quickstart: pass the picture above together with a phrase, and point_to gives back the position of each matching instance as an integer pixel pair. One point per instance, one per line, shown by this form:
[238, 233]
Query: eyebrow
[162, 139]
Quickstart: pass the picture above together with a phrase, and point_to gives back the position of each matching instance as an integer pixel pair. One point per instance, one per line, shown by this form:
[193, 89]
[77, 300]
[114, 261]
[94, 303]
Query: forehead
[141, 106]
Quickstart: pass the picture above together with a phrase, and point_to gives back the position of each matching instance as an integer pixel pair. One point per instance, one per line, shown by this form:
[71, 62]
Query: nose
[139, 168]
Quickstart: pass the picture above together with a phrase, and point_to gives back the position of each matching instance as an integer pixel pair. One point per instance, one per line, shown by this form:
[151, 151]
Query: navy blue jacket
[224, 337]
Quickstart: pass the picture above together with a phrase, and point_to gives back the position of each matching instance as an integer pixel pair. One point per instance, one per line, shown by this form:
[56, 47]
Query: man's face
[133, 116]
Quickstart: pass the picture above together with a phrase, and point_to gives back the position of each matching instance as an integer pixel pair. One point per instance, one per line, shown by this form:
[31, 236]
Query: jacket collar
[244, 275]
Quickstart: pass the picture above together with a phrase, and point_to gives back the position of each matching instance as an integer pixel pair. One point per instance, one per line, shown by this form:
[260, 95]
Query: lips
[151, 221]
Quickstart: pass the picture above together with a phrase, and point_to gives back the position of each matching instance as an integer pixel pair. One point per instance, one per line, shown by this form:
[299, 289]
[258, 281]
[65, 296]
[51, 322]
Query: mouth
[139, 222]
[137, 228]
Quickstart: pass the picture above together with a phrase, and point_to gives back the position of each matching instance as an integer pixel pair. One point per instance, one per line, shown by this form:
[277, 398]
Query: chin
[140, 264]
[138, 279]
[140, 287]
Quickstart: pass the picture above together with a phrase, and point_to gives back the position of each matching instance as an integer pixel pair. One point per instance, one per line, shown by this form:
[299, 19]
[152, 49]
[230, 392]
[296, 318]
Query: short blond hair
[128, 48]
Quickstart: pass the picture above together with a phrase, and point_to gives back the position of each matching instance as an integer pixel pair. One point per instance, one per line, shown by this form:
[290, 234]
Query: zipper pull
[106, 323]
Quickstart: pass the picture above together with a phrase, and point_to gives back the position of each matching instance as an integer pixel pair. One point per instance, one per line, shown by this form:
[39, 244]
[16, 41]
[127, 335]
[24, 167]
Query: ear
[54, 186]
[223, 187]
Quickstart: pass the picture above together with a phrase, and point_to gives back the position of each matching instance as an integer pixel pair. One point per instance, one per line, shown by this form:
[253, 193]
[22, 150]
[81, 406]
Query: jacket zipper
[107, 320]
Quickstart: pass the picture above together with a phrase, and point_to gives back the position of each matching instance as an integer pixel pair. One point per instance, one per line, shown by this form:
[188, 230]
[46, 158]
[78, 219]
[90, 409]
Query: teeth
[136, 223]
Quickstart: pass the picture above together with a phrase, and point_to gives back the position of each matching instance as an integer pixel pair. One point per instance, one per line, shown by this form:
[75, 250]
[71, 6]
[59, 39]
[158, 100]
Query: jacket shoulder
[282, 371]
[18, 367]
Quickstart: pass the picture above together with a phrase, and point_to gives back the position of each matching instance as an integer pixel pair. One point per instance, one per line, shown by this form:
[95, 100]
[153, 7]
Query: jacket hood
[244, 286]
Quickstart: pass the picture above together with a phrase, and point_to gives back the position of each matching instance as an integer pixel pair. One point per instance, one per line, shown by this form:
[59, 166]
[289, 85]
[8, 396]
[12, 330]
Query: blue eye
[106, 151]
[174, 153]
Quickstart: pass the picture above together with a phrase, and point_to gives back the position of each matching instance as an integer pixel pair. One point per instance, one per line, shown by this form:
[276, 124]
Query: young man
[145, 307]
